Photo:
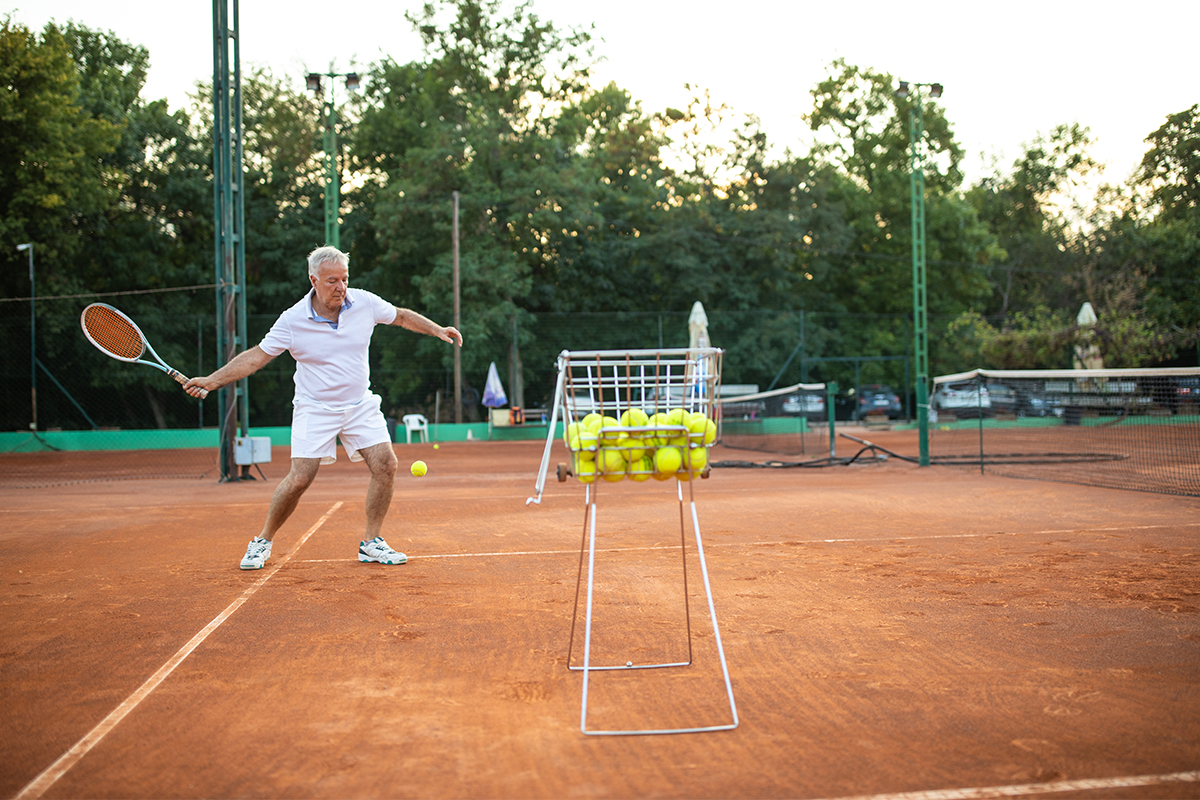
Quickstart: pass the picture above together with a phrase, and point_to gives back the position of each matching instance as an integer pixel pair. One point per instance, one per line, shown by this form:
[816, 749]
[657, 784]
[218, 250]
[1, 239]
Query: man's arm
[413, 321]
[244, 363]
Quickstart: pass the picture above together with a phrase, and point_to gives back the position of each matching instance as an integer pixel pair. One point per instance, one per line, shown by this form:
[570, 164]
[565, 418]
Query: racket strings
[113, 333]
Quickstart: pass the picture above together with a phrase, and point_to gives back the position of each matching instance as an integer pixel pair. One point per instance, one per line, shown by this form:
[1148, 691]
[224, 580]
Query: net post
[830, 395]
[979, 409]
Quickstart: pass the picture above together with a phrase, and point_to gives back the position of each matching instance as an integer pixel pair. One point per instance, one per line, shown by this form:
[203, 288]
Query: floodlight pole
[333, 175]
[916, 173]
[233, 400]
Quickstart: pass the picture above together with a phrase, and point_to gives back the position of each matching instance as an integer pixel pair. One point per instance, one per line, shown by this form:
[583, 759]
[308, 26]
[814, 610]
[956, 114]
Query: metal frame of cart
[611, 383]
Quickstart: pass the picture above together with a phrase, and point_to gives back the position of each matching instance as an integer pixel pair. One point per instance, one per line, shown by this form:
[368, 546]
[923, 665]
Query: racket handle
[182, 379]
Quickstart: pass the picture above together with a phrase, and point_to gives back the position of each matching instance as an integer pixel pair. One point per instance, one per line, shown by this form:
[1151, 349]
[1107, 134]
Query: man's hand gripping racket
[116, 335]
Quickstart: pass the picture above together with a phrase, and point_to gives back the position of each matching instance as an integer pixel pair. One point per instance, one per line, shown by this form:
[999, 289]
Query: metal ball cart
[645, 416]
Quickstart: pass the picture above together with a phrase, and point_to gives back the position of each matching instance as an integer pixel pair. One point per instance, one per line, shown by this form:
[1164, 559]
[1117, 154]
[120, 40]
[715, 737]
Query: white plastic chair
[418, 423]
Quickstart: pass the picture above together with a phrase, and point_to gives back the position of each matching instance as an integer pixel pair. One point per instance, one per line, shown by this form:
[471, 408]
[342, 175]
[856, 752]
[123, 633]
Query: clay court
[888, 629]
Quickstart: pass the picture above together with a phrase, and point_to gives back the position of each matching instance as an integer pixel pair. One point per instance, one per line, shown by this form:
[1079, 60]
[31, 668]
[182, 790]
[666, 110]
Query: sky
[1011, 70]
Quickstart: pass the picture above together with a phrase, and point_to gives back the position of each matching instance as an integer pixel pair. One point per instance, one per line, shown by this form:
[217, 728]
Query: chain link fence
[79, 388]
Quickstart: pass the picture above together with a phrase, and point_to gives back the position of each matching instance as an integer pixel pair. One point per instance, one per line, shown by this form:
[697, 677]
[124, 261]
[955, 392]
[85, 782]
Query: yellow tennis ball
[668, 460]
[675, 416]
[585, 470]
[572, 431]
[641, 469]
[634, 418]
[710, 432]
[587, 442]
[612, 461]
[698, 459]
[607, 435]
[418, 468]
[436, 447]
[632, 445]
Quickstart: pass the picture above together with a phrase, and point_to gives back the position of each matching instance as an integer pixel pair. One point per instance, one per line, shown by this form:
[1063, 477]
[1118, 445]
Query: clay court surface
[888, 629]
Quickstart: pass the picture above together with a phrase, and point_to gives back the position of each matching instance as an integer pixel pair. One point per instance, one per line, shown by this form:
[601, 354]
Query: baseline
[1024, 789]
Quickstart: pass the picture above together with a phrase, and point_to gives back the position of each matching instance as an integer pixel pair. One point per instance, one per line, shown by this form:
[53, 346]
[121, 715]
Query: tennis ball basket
[646, 417]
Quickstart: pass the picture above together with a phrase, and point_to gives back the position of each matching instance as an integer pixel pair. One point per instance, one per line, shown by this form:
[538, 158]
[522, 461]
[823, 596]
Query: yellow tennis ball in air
[418, 468]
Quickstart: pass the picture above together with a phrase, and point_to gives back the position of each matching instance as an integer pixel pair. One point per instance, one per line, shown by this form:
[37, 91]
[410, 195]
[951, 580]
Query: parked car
[1187, 394]
[1003, 398]
[963, 399]
[801, 404]
[876, 398]
[1037, 403]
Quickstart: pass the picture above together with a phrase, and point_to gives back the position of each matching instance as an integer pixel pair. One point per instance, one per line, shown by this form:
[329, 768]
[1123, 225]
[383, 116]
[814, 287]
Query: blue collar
[312, 314]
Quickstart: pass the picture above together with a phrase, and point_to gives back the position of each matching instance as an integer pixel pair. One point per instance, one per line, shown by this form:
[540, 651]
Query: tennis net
[795, 420]
[1117, 428]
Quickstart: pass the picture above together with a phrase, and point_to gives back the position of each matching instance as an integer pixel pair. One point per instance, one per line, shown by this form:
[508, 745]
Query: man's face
[331, 282]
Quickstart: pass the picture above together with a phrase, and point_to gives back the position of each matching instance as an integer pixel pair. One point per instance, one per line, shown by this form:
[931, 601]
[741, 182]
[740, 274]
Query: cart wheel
[563, 472]
[706, 472]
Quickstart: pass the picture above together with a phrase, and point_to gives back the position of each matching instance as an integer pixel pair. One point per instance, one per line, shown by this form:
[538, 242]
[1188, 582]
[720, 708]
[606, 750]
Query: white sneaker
[257, 553]
[377, 550]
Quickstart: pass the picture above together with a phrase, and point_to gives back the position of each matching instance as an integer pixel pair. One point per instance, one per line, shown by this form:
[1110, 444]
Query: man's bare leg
[381, 460]
[287, 494]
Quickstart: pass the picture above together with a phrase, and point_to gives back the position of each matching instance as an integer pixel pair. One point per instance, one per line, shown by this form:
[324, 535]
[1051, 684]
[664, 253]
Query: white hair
[327, 255]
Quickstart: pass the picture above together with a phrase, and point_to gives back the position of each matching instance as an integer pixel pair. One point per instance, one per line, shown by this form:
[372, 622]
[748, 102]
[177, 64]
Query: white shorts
[316, 428]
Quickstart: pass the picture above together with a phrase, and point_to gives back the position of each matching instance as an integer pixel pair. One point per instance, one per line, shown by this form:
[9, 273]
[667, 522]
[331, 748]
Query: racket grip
[182, 379]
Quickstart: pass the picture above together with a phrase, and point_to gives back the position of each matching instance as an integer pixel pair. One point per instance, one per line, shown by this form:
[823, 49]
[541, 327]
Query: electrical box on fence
[252, 450]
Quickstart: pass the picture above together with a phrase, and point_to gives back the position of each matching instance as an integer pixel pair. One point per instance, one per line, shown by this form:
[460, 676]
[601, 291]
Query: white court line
[1023, 789]
[81, 748]
[781, 543]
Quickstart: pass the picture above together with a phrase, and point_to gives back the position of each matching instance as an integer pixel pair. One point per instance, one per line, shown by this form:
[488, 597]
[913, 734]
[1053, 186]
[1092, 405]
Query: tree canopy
[575, 201]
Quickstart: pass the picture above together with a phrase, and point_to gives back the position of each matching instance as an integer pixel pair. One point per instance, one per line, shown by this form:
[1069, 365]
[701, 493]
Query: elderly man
[328, 333]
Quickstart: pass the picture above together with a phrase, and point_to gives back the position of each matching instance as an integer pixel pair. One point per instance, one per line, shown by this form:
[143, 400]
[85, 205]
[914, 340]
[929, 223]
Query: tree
[862, 131]
[1023, 210]
[477, 116]
[1169, 219]
[52, 153]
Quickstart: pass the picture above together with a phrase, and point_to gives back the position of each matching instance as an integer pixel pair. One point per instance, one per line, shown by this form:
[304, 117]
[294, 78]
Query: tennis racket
[116, 335]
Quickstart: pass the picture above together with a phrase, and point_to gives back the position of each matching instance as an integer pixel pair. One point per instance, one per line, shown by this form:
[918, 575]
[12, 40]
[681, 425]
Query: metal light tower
[333, 176]
[916, 130]
[233, 400]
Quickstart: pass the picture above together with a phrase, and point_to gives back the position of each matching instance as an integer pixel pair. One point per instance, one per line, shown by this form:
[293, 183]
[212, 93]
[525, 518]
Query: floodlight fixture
[313, 82]
[935, 90]
[352, 81]
[903, 90]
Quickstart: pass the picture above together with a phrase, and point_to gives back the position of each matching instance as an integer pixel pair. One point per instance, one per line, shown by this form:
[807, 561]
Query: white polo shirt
[331, 363]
